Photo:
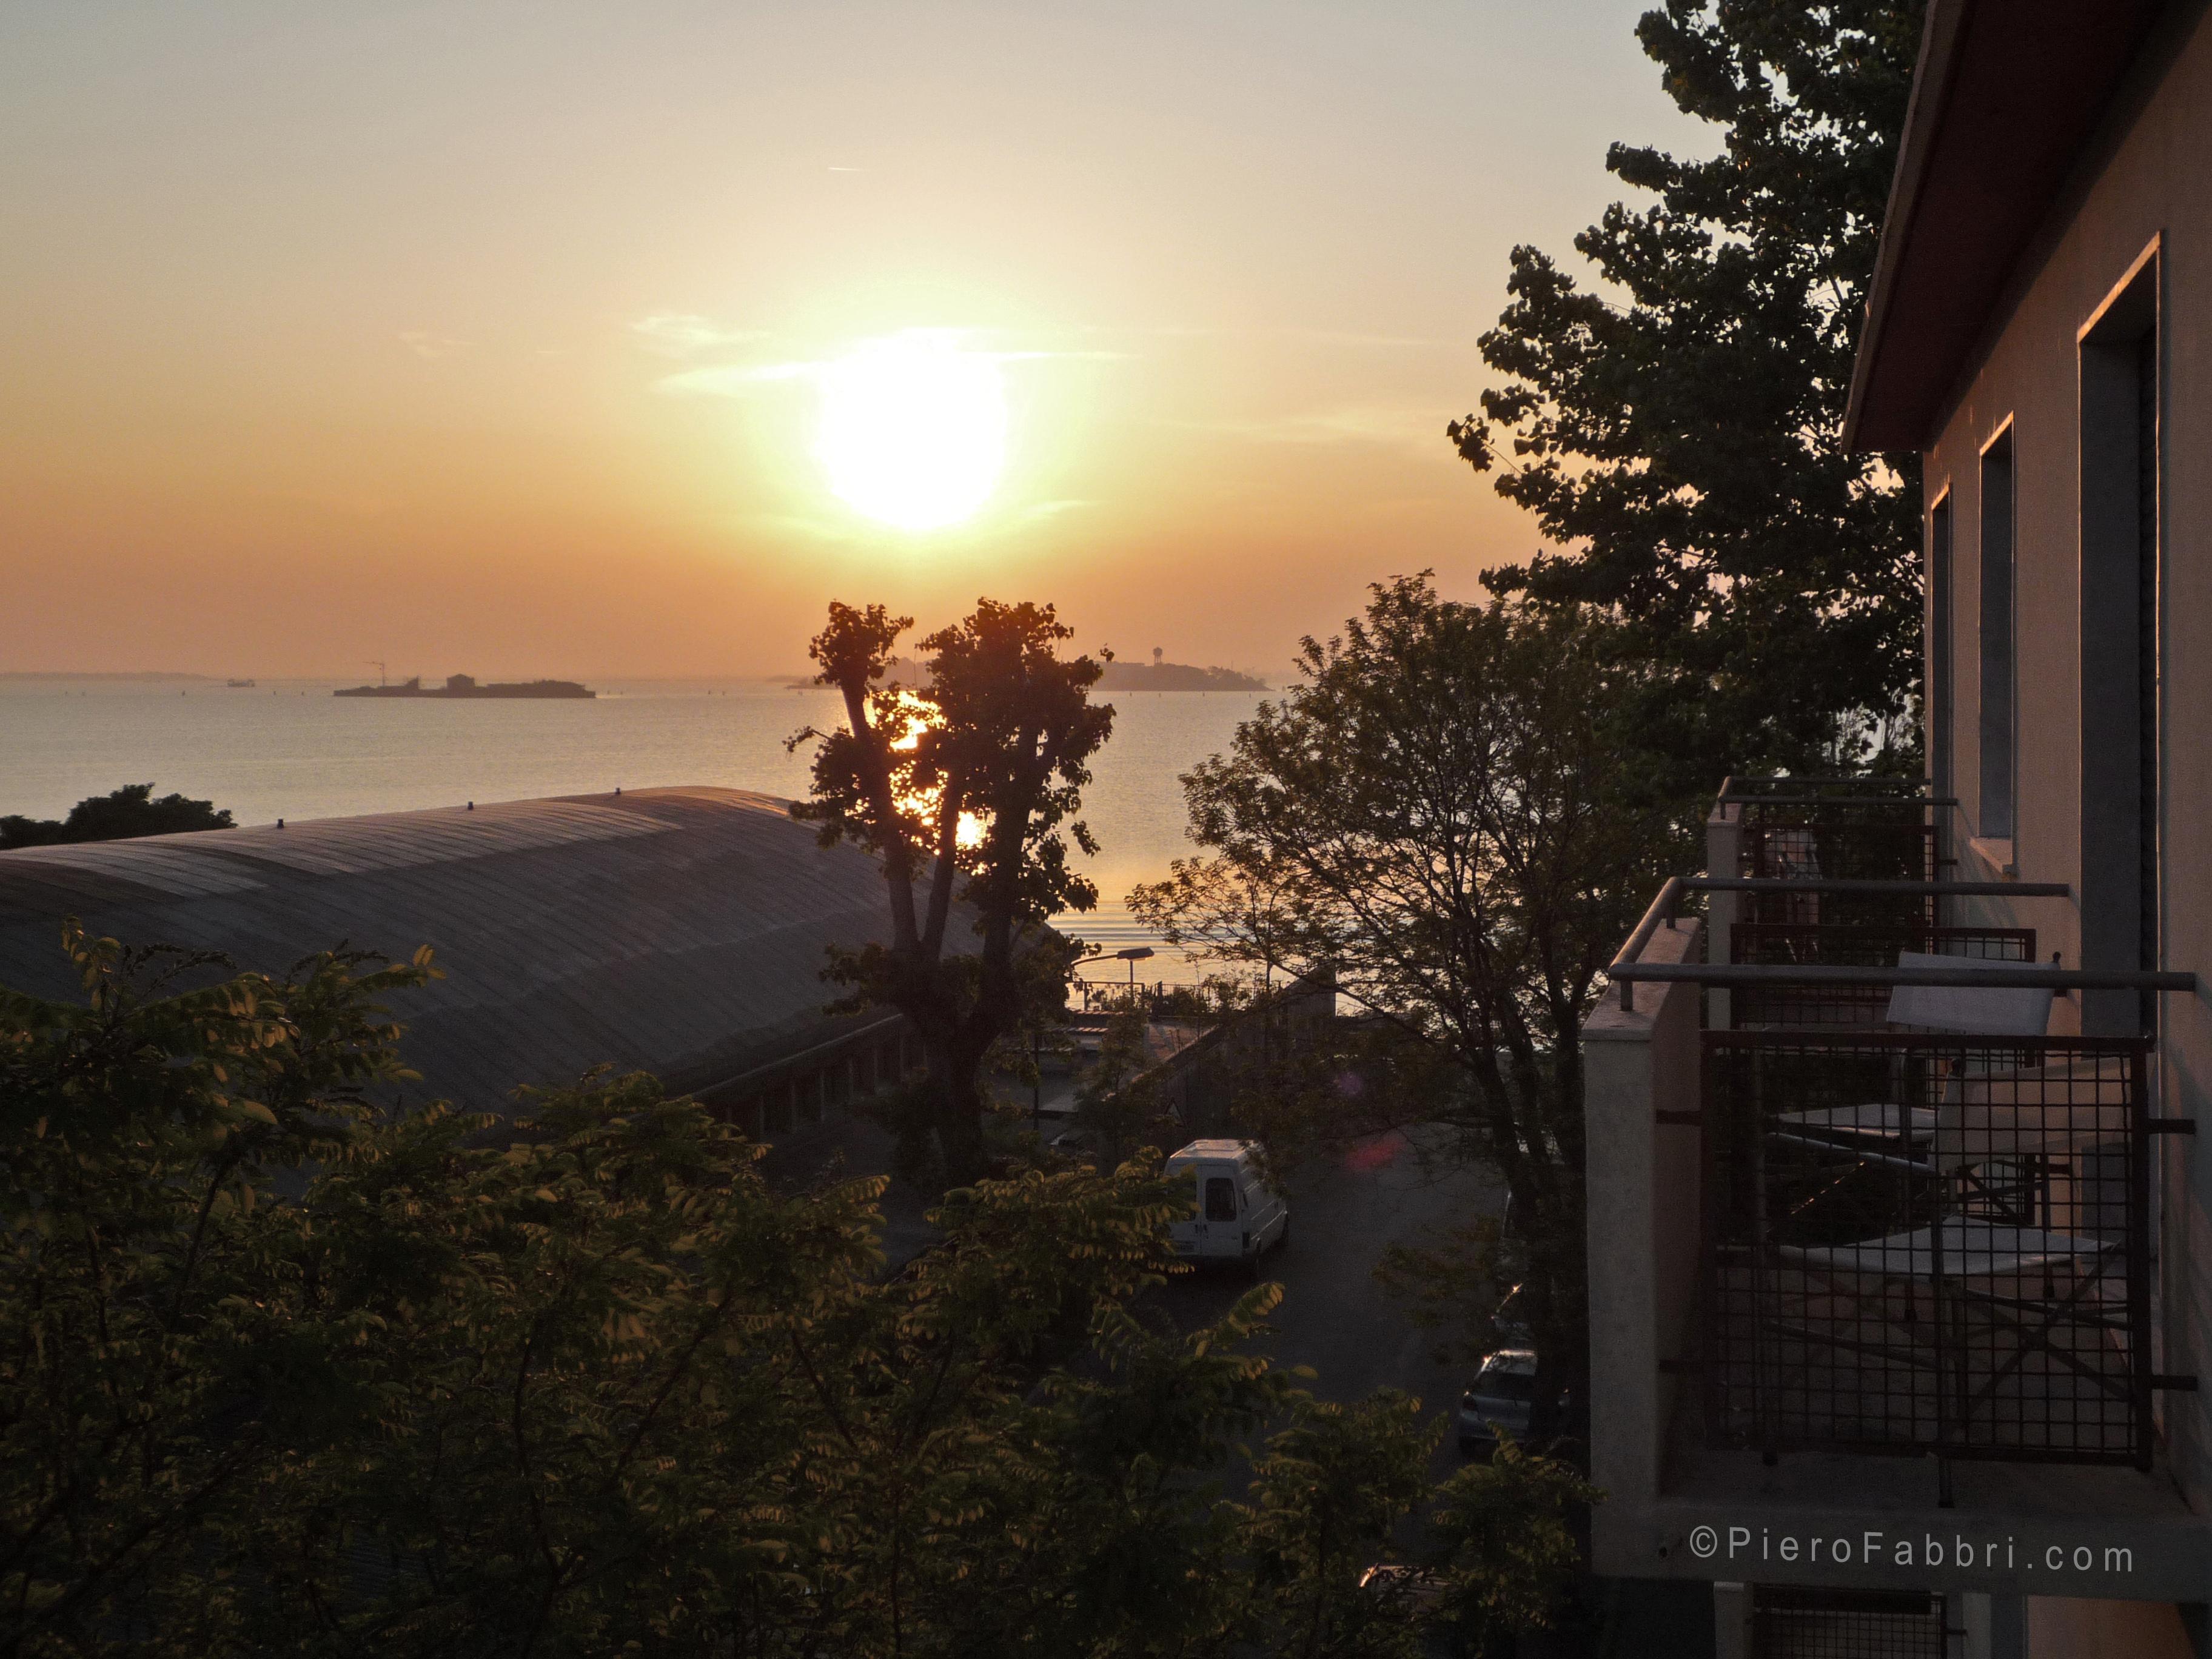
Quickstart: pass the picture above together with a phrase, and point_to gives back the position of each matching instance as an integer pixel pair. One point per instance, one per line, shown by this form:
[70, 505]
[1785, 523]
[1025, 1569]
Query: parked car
[1502, 1397]
[1510, 1322]
[1078, 1142]
[1238, 1217]
[1394, 1581]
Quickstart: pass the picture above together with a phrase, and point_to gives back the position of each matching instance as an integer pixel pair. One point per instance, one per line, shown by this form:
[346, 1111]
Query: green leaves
[1453, 813]
[580, 1382]
[1504, 1540]
[1678, 426]
[1327, 1495]
[151, 1332]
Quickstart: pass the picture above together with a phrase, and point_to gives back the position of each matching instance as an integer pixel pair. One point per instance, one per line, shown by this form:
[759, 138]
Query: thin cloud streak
[1410, 428]
[430, 347]
[682, 334]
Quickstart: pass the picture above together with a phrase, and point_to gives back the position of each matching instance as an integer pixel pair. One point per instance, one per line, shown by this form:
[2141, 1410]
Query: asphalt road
[1333, 1317]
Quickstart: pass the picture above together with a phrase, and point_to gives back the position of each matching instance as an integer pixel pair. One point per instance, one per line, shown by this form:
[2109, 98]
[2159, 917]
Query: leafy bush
[284, 1371]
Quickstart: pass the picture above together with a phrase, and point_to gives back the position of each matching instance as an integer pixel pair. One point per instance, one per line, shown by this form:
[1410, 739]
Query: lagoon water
[288, 748]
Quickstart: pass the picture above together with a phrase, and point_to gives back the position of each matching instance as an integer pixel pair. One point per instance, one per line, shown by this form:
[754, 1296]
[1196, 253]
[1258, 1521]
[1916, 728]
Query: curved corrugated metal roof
[678, 930]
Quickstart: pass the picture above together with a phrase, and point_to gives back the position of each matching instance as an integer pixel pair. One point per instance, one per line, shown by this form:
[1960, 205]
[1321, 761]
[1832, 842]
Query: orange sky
[474, 336]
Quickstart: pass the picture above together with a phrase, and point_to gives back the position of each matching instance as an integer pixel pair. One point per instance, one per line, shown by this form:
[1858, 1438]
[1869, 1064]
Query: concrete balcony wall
[1643, 1185]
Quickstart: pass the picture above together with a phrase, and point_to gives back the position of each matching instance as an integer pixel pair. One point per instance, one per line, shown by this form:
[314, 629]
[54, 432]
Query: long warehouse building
[679, 931]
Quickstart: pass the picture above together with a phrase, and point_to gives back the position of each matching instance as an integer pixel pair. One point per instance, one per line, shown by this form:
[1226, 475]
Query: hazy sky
[491, 337]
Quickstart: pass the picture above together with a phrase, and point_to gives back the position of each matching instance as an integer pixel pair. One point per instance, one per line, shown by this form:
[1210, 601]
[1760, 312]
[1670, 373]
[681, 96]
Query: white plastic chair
[1978, 1010]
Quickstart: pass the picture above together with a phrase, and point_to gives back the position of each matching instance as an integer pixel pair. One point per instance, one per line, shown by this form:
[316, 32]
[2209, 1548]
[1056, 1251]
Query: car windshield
[1505, 1385]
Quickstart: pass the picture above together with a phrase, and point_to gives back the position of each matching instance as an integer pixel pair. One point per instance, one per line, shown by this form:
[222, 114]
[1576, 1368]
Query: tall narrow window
[2120, 580]
[1998, 726]
[1939, 648]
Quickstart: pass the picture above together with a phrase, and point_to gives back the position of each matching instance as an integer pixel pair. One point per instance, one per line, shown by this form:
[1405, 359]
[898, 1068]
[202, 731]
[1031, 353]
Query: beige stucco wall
[2058, 1628]
[2148, 180]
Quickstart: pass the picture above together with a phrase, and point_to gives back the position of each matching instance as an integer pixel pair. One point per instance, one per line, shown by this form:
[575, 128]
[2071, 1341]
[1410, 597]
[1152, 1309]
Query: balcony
[1927, 1244]
[1871, 1246]
[1835, 828]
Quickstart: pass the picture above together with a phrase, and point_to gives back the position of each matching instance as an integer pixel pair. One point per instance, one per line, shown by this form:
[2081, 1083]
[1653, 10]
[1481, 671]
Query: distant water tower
[1157, 654]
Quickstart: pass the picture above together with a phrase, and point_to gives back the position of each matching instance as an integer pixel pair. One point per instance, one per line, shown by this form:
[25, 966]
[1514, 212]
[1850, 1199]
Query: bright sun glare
[914, 430]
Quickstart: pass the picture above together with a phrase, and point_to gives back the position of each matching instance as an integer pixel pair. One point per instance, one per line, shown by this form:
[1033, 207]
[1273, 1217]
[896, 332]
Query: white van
[1239, 1216]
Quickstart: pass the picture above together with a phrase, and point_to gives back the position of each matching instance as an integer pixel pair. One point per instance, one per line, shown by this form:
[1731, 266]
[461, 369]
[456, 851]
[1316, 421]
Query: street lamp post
[1132, 956]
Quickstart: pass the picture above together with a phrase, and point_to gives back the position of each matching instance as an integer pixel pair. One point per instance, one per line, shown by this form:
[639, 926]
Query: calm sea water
[288, 748]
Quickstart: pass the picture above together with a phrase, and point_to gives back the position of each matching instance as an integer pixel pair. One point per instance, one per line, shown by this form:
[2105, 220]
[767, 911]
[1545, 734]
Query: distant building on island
[465, 685]
[1157, 676]
[1162, 675]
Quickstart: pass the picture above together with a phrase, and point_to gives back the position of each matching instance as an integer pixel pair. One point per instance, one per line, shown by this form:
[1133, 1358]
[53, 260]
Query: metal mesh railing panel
[1787, 944]
[1921, 1243]
[1849, 850]
[1828, 1624]
[1842, 841]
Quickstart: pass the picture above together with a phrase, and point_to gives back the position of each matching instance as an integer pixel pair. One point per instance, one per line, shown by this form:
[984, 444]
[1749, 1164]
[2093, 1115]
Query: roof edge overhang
[1939, 42]
[2006, 98]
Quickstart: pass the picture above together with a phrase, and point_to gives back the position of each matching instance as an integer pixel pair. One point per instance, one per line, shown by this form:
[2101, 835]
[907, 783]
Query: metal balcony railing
[1627, 970]
[1926, 1242]
[1985, 962]
[1925, 1221]
[1790, 1622]
[1785, 1001]
[1835, 828]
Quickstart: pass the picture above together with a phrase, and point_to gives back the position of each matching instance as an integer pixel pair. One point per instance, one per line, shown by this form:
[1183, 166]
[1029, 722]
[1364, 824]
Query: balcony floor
[1836, 1519]
[1836, 1480]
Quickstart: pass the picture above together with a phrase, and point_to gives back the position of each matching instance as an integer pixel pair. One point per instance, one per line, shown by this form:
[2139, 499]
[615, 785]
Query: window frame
[1997, 793]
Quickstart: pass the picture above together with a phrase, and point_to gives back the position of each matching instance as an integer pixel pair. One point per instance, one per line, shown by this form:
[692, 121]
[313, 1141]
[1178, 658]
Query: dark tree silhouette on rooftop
[121, 815]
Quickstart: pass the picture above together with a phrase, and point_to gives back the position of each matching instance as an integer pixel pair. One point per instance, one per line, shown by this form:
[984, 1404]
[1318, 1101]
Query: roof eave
[1923, 115]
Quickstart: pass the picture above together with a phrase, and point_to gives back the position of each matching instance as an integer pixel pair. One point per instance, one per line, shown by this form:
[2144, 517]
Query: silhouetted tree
[127, 812]
[1449, 810]
[1678, 430]
[965, 787]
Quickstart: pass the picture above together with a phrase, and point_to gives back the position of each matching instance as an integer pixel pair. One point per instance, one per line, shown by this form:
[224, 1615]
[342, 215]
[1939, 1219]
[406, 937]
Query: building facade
[1901, 1246]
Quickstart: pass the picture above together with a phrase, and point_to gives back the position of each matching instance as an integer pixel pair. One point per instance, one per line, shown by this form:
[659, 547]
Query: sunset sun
[914, 430]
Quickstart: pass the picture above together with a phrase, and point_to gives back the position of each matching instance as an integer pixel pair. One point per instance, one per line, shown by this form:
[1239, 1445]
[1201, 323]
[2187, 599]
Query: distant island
[1155, 675]
[1161, 675]
[465, 685]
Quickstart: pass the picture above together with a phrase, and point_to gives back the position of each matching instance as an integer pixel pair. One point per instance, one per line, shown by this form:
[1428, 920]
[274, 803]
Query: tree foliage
[156, 1349]
[284, 1371]
[1682, 445]
[965, 787]
[1116, 1096]
[1448, 812]
[118, 815]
